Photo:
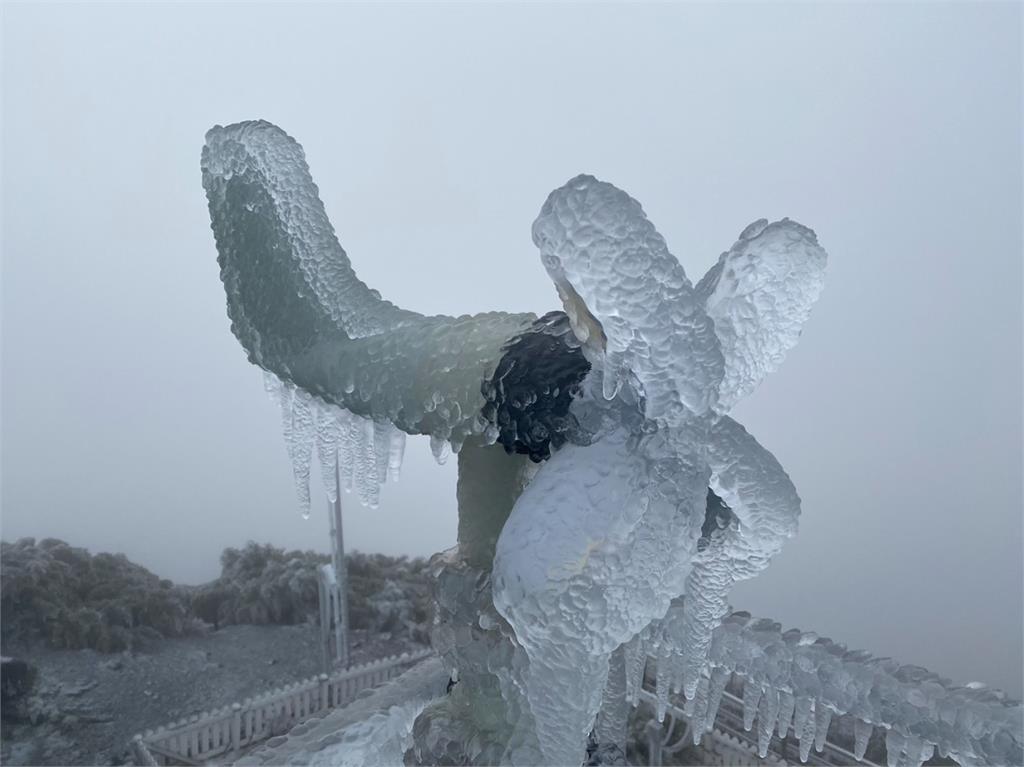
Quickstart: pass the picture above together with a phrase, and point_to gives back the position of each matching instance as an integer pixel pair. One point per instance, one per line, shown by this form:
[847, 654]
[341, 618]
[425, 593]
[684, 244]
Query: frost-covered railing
[211, 734]
[797, 679]
[722, 745]
[729, 739]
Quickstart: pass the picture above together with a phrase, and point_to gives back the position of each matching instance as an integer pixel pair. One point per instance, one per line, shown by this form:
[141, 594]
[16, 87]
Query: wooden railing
[212, 734]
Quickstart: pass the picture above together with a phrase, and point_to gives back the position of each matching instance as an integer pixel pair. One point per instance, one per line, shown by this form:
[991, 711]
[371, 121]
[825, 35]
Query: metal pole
[323, 593]
[340, 574]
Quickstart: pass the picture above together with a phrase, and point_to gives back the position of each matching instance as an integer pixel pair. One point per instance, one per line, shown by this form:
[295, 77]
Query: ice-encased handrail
[800, 679]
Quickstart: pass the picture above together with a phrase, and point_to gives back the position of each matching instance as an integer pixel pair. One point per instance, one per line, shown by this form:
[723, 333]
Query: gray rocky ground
[85, 706]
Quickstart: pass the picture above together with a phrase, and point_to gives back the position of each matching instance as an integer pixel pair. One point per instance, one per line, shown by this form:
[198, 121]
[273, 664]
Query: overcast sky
[132, 422]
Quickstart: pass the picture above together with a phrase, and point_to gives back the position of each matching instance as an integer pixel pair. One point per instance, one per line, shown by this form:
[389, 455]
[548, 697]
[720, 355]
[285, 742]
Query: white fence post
[324, 702]
[236, 726]
[213, 733]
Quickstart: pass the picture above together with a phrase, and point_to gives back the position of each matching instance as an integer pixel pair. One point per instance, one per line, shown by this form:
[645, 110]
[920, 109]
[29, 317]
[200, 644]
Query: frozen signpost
[607, 502]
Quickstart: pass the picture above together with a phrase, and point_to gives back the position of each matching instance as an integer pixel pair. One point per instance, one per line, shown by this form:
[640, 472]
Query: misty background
[132, 422]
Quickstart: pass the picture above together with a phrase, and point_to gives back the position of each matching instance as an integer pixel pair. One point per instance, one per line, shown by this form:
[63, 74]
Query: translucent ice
[364, 453]
[815, 678]
[300, 311]
[606, 535]
[628, 299]
[759, 295]
[625, 397]
[630, 411]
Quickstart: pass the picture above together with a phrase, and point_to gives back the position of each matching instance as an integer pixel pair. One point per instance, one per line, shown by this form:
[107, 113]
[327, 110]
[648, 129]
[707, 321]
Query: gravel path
[87, 705]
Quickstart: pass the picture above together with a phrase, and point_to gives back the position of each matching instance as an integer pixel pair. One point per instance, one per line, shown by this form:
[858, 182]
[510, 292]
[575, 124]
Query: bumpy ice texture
[605, 536]
[300, 311]
[796, 680]
[628, 298]
[353, 373]
[759, 295]
[363, 453]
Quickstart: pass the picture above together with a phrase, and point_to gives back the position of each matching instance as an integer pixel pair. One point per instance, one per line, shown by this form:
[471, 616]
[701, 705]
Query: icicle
[806, 733]
[823, 717]
[348, 452]
[636, 661]
[440, 448]
[804, 706]
[699, 704]
[894, 744]
[767, 713]
[371, 495]
[787, 703]
[613, 718]
[611, 380]
[328, 434]
[690, 705]
[382, 449]
[661, 684]
[751, 697]
[862, 734]
[913, 752]
[396, 453]
[675, 666]
[719, 679]
[272, 386]
[707, 601]
[927, 752]
[366, 467]
[299, 426]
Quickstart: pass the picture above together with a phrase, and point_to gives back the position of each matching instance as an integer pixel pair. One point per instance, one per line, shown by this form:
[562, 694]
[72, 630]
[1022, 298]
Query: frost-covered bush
[64, 595]
[264, 584]
[261, 584]
[71, 599]
[390, 594]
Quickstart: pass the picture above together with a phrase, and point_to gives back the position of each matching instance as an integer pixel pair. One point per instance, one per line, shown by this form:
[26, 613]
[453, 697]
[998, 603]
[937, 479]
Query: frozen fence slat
[205, 736]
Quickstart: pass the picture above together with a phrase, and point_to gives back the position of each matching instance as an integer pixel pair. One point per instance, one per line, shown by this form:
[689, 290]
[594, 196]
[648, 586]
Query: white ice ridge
[299, 310]
[364, 453]
[798, 680]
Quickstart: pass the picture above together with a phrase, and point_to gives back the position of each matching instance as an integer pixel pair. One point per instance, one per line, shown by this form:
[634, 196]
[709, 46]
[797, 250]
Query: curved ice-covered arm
[300, 311]
[797, 679]
[759, 295]
[764, 509]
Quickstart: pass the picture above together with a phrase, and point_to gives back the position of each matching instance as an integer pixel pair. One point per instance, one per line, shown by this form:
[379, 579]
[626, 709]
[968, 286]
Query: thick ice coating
[300, 311]
[606, 535]
[628, 298]
[563, 581]
[798, 680]
[759, 295]
[364, 453]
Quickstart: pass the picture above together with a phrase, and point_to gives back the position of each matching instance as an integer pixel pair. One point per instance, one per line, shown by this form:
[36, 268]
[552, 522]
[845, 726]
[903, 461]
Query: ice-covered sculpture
[606, 534]
[600, 476]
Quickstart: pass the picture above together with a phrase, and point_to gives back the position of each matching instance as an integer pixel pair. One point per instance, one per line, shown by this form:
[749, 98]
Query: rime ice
[301, 312]
[363, 452]
[621, 502]
[798, 681]
[606, 535]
